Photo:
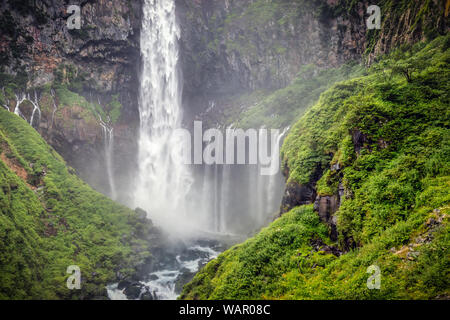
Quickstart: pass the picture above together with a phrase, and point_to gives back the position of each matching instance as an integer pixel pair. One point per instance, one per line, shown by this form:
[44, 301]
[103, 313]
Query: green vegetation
[114, 108]
[282, 107]
[390, 136]
[50, 219]
[70, 84]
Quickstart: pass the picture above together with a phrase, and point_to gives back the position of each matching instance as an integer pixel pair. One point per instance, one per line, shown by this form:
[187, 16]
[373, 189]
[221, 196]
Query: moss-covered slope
[380, 144]
[50, 219]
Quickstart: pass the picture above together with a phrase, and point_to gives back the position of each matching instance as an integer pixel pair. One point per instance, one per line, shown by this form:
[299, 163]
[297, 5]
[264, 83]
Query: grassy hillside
[50, 220]
[384, 138]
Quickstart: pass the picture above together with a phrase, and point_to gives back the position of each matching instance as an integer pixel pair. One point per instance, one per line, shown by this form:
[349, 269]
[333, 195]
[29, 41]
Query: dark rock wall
[232, 47]
[36, 42]
[235, 46]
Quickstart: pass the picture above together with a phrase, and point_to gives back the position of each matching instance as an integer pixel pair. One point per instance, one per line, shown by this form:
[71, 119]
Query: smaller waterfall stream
[22, 97]
[108, 133]
[36, 108]
[236, 199]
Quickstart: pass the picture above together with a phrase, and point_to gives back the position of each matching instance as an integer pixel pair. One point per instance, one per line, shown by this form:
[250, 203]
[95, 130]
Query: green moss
[391, 139]
[252, 269]
[65, 223]
[283, 107]
[115, 108]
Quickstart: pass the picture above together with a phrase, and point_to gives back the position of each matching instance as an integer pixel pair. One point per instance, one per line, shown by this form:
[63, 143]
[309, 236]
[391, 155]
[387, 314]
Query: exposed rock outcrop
[297, 195]
[99, 62]
[232, 47]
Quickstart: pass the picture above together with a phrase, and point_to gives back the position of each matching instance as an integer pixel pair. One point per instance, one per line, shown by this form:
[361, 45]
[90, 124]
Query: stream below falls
[171, 272]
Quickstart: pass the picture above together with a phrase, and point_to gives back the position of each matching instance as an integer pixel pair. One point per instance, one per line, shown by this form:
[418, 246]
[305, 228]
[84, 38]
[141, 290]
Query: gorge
[104, 164]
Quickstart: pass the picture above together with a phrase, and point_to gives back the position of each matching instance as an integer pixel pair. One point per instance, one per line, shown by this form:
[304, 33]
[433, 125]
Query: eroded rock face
[326, 206]
[103, 56]
[297, 195]
[231, 47]
[235, 46]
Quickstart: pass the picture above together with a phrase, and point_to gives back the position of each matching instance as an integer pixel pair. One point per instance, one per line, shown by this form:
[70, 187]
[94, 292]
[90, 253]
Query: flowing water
[178, 267]
[108, 133]
[163, 180]
[221, 200]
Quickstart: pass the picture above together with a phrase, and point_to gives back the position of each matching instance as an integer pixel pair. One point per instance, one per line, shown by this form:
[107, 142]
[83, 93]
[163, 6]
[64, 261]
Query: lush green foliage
[390, 136]
[254, 268]
[282, 107]
[50, 220]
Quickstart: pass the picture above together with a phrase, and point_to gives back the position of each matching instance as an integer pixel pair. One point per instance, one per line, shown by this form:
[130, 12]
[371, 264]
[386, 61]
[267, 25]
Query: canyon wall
[83, 80]
[86, 81]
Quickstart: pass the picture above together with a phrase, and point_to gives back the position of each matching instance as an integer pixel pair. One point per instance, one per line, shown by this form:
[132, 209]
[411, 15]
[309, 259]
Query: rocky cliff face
[85, 80]
[82, 80]
[232, 47]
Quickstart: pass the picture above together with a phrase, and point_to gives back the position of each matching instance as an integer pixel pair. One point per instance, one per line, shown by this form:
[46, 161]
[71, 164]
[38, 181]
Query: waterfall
[36, 108]
[163, 181]
[225, 197]
[108, 133]
[19, 99]
[52, 93]
[273, 193]
[214, 198]
[237, 198]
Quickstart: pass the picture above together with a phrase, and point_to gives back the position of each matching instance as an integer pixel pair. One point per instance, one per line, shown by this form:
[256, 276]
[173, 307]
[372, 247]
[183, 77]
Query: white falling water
[108, 134]
[55, 108]
[36, 108]
[223, 199]
[19, 99]
[237, 198]
[22, 97]
[163, 181]
[273, 184]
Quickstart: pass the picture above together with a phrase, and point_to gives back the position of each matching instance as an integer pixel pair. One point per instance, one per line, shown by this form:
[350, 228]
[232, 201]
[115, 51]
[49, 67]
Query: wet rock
[297, 195]
[319, 245]
[123, 284]
[336, 166]
[133, 291]
[185, 276]
[326, 206]
[148, 296]
[142, 215]
[359, 140]
[153, 277]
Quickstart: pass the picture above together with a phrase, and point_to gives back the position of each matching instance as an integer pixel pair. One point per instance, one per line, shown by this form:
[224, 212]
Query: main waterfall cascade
[163, 181]
[205, 207]
[226, 199]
